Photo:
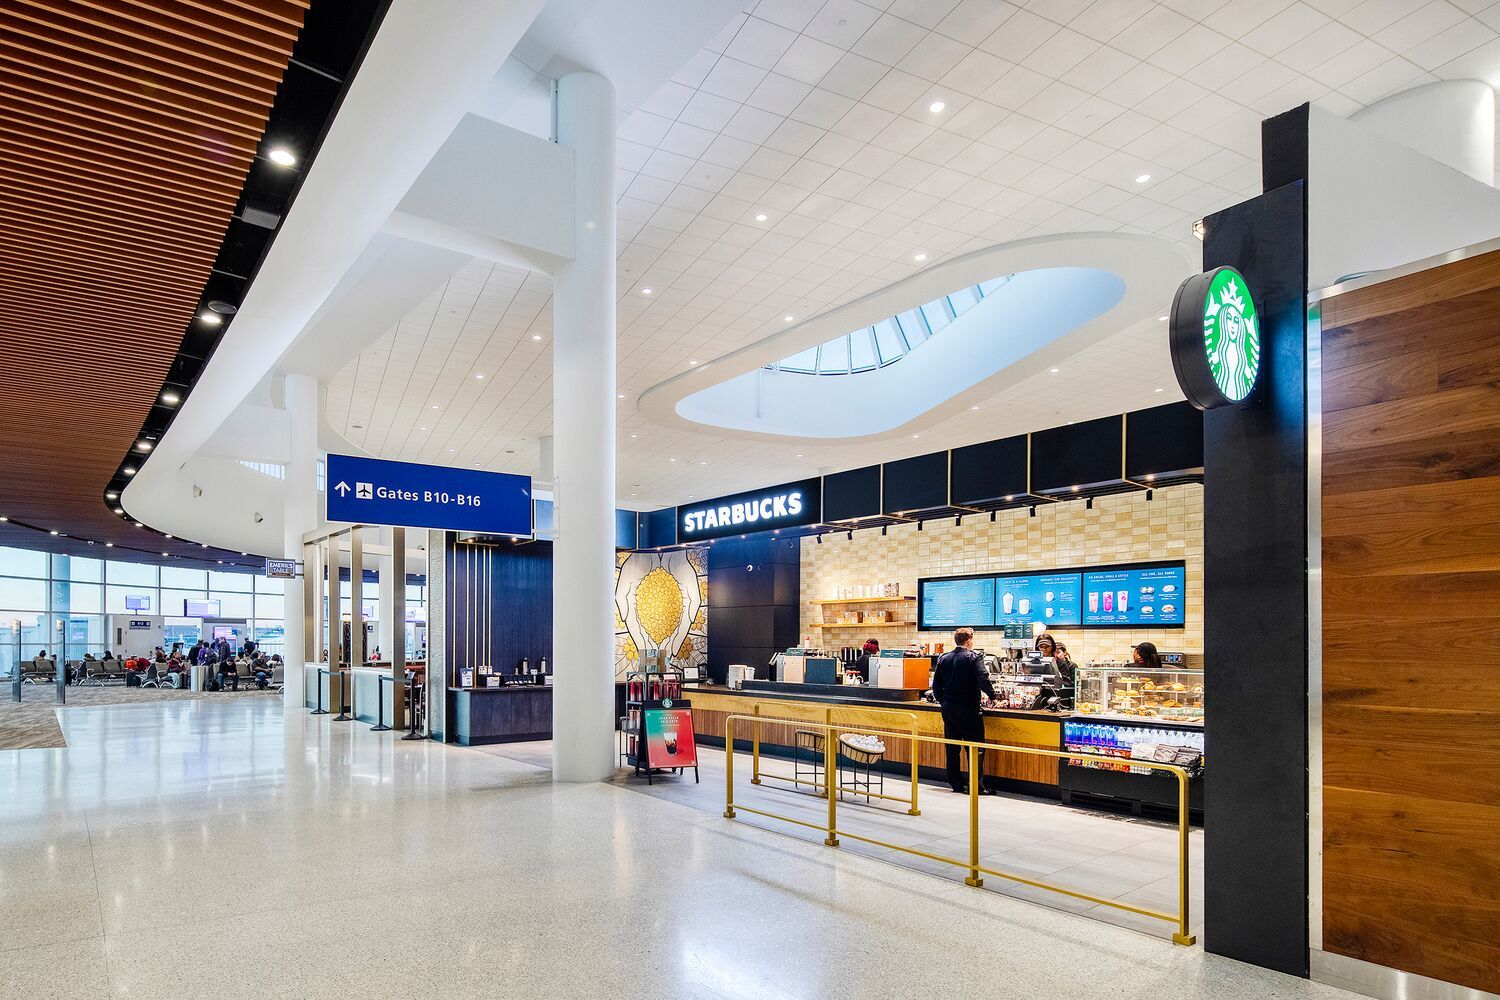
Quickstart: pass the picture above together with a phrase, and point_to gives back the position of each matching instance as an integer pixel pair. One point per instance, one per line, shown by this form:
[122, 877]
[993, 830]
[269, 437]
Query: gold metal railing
[976, 871]
[757, 774]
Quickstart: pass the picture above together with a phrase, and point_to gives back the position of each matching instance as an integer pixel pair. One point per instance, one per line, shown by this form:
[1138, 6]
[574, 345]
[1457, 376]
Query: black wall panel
[855, 493]
[1078, 455]
[1163, 439]
[754, 599]
[919, 483]
[499, 605]
[1255, 585]
[988, 472]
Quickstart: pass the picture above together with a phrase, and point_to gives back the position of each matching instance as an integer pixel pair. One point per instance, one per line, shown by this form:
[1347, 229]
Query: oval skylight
[888, 341]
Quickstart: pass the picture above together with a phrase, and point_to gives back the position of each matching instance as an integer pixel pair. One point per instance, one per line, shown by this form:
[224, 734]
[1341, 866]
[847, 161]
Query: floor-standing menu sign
[669, 734]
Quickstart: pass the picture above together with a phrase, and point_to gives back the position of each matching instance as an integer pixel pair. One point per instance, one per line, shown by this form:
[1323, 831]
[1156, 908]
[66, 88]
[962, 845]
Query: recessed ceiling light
[210, 319]
[1156, 390]
[1054, 371]
[692, 362]
[143, 446]
[799, 456]
[1072, 422]
[645, 291]
[973, 407]
[128, 471]
[166, 536]
[479, 376]
[761, 217]
[434, 406]
[916, 436]
[421, 428]
[109, 545]
[702, 463]
[139, 524]
[119, 510]
[919, 257]
[3, 519]
[171, 398]
[536, 336]
[450, 450]
[1161, 319]
[619, 395]
[936, 107]
[635, 435]
[282, 157]
[203, 545]
[1142, 178]
[163, 553]
[111, 495]
[788, 318]
[221, 562]
[52, 533]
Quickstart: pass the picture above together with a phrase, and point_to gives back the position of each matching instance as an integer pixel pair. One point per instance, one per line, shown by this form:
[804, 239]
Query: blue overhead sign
[372, 491]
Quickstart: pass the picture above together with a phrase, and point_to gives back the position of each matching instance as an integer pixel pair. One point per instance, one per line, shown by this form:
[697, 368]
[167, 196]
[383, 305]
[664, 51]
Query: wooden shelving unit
[862, 624]
[859, 600]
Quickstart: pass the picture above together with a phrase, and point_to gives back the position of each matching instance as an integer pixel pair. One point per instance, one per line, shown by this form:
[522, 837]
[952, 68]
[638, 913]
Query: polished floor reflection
[216, 848]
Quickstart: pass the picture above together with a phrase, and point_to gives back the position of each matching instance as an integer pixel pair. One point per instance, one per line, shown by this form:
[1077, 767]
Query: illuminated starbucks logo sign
[1216, 339]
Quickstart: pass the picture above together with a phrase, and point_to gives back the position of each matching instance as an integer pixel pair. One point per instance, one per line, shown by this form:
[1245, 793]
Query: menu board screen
[1136, 595]
[952, 603]
[1049, 598]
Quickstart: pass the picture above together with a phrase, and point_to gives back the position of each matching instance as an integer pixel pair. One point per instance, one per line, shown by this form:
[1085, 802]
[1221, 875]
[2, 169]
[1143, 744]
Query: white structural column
[583, 420]
[388, 627]
[300, 515]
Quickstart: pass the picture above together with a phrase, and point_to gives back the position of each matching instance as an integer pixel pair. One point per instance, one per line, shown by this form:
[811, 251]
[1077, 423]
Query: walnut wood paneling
[1411, 623]
[126, 133]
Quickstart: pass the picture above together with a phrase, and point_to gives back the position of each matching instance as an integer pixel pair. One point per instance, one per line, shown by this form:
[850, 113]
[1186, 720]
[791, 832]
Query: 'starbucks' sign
[1216, 339]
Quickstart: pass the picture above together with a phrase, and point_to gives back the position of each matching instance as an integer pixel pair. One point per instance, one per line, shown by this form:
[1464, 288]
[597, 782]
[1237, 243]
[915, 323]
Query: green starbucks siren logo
[1216, 339]
[1231, 334]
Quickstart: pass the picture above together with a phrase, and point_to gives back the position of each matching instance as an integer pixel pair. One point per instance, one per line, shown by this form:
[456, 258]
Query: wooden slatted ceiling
[127, 128]
[1411, 623]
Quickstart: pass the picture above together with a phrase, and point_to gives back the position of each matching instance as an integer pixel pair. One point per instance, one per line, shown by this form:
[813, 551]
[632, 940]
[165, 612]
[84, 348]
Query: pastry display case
[1171, 694]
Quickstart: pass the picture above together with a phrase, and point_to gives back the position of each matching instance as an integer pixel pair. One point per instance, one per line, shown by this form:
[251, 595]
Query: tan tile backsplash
[1120, 529]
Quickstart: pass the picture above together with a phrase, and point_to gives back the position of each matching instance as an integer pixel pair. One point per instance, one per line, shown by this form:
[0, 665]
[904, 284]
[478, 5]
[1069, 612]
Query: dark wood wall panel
[1411, 623]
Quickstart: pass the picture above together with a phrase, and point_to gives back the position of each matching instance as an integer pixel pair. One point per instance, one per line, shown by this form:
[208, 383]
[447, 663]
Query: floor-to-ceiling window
[57, 603]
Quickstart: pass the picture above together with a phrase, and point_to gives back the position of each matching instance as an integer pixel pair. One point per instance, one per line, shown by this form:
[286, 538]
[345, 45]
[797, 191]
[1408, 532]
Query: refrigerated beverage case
[1122, 601]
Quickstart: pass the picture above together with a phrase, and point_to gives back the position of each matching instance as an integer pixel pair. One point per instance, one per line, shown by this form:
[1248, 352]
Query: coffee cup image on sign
[1007, 602]
[672, 744]
[1047, 613]
[1024, 606]
[1051, 596]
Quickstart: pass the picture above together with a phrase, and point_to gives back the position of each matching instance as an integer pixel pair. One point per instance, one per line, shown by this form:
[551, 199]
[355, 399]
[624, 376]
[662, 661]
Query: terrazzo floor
[223, 848]
[32, 723]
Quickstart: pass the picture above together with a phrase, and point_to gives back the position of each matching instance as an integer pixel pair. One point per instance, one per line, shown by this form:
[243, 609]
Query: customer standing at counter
[957, 682]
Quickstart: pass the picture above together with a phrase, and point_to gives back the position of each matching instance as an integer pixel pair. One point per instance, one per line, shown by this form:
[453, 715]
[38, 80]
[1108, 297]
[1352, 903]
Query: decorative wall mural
[661, 602]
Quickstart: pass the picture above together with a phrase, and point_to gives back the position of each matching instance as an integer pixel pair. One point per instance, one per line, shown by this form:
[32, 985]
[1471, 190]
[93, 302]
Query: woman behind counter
[1048, 646]
[1145, 656]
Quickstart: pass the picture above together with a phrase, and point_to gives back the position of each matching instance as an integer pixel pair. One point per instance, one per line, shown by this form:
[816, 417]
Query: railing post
[915, 810]
[1182, 936]
[755, 751]
[974, 779]
[830, 766]
[728, 765]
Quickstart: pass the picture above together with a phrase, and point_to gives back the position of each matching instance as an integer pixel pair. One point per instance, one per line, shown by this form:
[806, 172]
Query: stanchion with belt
[320, 710]
[344, 692]
[380, 726]
[411, 709]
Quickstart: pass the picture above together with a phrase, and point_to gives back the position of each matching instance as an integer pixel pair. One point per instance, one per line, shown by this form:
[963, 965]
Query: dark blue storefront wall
[499, 605]
[754, 596]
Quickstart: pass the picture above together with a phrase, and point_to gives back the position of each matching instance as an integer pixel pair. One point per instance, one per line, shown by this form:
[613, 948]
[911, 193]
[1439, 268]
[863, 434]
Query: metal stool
[812, 742]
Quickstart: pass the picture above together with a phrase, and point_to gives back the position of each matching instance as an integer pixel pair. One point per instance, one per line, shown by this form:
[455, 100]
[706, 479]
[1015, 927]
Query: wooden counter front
[1016, 728]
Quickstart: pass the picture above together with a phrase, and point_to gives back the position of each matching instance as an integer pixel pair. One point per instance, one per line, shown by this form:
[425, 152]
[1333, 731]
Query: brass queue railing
[832, 833]
[757, 774]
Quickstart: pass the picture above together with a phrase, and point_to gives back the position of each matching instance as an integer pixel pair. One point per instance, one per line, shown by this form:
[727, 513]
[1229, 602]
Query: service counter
[512, 714]
[875, 708]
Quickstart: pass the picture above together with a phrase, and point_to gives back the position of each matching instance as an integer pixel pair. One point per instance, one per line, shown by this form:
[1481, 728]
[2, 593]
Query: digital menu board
[952, 603]
[1146, 596]
[1049, 598]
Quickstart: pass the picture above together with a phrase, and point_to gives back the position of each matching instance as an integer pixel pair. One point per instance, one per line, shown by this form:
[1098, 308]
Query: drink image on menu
[671, 742]
[1109, 601]
[1093, 602]
[1122, 601]
[1024, 606]
[1007, 602]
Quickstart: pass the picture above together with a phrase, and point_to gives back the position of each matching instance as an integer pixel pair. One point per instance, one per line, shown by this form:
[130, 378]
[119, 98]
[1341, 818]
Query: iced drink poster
[669, 734]
[1049, 598]
[1136, 595]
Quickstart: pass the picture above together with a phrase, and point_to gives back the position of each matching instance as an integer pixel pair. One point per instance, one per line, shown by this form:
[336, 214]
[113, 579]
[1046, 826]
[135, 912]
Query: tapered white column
[583, 420]
[300, 515]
